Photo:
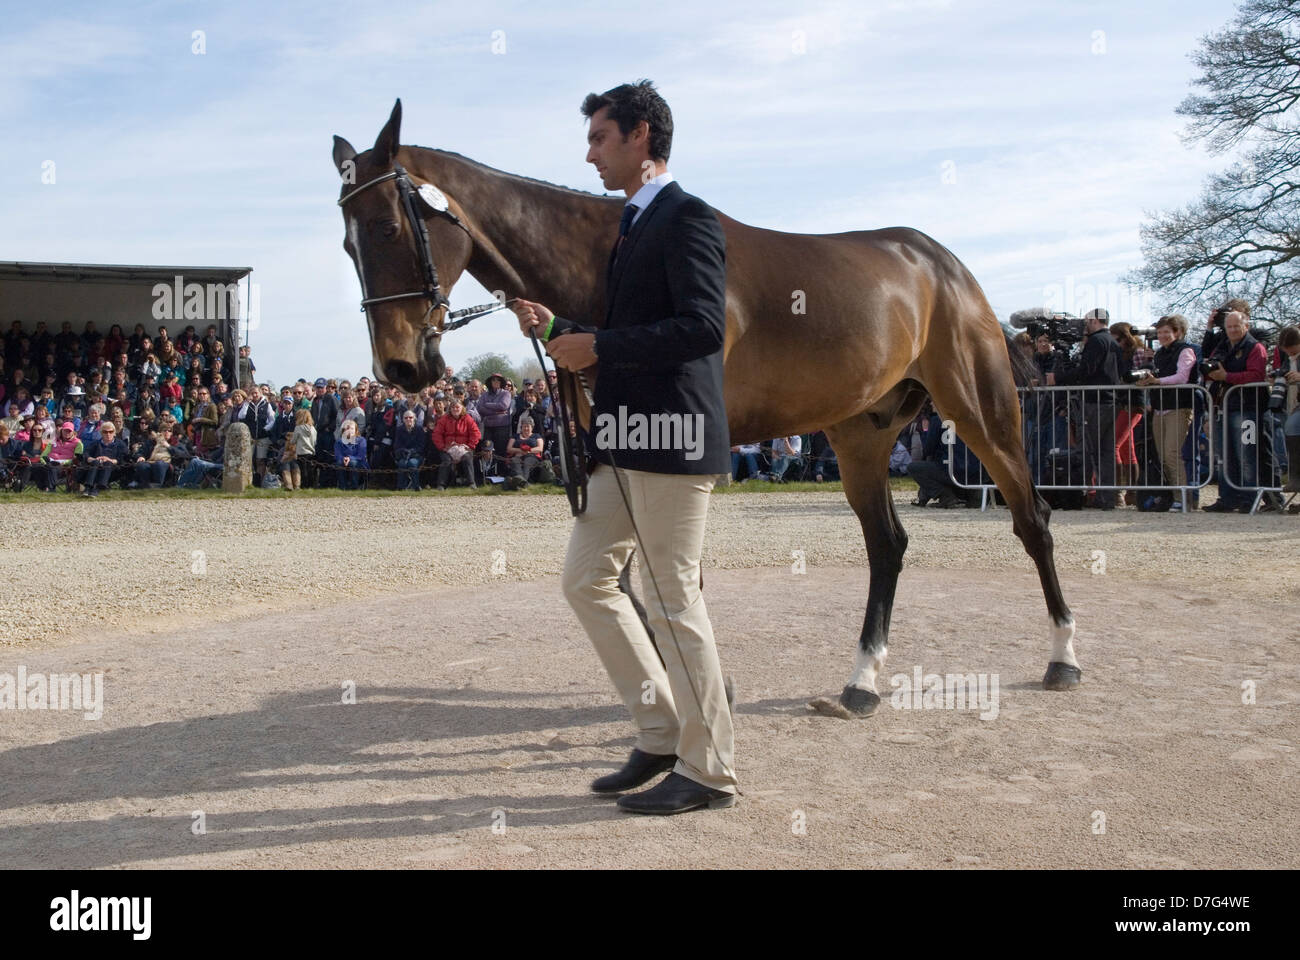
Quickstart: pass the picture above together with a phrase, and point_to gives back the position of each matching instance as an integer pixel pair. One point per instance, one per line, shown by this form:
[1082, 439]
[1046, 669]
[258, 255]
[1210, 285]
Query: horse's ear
[343, 152]
[387, 142]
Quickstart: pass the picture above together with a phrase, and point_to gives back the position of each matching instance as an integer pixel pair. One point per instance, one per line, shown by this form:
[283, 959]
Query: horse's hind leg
[984, 408]
[863, 453]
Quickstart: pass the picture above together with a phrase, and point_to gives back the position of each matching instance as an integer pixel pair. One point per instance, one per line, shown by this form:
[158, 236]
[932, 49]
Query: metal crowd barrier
[1107, 439]
[1251, 441]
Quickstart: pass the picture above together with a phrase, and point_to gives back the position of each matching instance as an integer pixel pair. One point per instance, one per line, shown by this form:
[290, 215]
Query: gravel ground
[481, 712]
[158, 564]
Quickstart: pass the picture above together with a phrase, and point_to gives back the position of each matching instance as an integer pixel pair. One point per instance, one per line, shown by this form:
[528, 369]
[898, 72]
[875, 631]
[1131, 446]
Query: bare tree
[1241, 238]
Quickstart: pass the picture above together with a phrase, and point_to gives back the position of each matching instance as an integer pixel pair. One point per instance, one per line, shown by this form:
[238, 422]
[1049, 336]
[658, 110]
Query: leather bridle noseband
[410, 198]
[414, 200]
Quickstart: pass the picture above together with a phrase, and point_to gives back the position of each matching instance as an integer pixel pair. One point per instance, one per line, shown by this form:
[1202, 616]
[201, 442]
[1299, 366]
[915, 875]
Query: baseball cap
[67, 425]
[320, 382]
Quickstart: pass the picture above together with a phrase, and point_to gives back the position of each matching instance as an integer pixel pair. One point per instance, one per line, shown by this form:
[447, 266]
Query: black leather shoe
[1219, 506]
[676, 794]
[640, 768]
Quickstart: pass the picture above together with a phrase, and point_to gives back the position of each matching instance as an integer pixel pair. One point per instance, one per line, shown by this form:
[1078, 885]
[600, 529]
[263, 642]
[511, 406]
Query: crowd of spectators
[86, 410]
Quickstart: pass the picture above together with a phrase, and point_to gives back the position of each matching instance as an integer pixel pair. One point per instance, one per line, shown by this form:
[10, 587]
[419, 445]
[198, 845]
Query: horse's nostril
[399, 372]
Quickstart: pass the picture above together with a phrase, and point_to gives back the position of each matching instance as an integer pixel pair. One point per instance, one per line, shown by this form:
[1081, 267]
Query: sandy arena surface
[480, 704]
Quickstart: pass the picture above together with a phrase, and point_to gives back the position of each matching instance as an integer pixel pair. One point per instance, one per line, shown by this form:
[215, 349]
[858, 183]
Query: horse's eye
[388, 229]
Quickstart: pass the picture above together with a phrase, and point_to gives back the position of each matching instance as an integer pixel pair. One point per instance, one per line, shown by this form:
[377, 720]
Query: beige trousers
[679, 705]
[1169, 428]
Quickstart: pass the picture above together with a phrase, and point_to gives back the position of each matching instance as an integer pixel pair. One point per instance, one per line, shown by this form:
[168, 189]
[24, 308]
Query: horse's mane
[512, 176]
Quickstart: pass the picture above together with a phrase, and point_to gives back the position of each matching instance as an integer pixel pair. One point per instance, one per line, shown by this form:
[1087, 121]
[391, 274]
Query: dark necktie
[624, 225]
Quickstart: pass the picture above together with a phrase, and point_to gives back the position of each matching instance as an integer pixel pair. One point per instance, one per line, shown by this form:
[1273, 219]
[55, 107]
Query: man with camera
[1240, 359]
[1098, 368]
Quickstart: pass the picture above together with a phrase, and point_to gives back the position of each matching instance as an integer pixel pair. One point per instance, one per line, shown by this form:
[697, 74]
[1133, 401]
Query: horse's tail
[1022, 368]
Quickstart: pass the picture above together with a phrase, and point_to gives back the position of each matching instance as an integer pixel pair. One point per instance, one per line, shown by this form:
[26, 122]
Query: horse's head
[408, 248]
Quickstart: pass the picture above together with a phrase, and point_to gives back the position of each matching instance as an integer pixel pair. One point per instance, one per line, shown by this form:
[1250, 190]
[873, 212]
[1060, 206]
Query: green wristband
[549, 326]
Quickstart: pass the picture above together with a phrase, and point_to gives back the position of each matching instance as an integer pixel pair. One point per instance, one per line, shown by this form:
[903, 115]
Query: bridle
[411, 199]
[417, 203]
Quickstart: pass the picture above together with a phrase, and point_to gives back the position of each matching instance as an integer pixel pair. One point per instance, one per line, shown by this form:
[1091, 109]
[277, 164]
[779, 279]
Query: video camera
[1063, 329]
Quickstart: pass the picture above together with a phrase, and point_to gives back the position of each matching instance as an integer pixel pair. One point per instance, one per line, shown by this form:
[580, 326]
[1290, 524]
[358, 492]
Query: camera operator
[1171, 410]
[1240, 359]
[1284, 400]
[1098, 368]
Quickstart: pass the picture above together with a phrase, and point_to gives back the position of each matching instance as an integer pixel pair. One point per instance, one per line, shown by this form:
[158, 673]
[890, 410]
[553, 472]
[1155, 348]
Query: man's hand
[1218, 374]
[532, 316]
[572, 351]
[1051, 379]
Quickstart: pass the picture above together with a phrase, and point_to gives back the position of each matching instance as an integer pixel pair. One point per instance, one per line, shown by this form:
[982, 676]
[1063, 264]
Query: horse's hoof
[1061, 676]
[858, 702]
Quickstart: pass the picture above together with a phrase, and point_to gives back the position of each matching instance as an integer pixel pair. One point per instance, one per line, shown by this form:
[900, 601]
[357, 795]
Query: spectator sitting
[749, 451]
[899, 459]
[455, 435]
[525, 455]
[785, 453]
[62, 457]
[200, 469]
[32, 458]
[931, 474]
[153, 460]
[104, 457]
[10, 450]
[350, 457]
[408, 452]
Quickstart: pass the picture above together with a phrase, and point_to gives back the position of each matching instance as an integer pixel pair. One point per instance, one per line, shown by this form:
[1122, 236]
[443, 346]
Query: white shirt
[649, 190]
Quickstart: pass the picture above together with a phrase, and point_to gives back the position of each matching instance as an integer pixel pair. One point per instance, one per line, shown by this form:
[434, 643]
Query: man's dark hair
[629, 104]
[1239, 305]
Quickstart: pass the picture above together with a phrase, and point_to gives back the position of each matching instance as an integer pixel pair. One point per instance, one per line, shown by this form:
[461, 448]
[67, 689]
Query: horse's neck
[531, 239]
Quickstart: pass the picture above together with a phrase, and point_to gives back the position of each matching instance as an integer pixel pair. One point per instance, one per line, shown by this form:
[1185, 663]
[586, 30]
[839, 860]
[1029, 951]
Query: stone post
[237, 470]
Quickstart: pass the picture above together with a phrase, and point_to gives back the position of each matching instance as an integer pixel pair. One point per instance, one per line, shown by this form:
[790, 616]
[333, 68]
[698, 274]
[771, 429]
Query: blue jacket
[413, 440]
[116, 450]
[356, 450]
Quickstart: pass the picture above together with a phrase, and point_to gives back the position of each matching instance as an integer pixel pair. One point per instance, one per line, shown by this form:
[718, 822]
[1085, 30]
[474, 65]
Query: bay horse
[870, 321]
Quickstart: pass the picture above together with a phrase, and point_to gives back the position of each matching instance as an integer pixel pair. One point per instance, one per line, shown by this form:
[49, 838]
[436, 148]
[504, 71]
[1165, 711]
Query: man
[104, 456]
[408, 452]
[325, 414]
[659, 351]
[1098, 366]
[1246, 443]
[256, 413]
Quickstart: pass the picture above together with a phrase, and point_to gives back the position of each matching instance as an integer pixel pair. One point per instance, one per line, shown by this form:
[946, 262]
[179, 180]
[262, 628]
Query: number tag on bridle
[433, 197]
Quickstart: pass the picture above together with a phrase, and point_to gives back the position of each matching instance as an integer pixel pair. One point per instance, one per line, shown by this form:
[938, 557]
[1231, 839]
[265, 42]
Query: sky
[1031, 139]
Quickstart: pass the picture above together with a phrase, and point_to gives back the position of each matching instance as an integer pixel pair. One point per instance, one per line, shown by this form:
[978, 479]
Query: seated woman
[152, 461]
[524, 457]
[350, 455]
[63, 456]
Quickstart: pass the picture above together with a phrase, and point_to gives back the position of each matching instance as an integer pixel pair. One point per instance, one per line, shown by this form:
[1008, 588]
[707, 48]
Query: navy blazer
[660, 349]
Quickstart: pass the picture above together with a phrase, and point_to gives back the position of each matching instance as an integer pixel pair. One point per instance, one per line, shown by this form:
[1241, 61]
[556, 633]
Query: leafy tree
[483, 365]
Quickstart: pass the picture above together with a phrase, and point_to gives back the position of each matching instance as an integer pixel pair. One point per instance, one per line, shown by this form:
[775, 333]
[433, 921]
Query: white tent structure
[154, 296]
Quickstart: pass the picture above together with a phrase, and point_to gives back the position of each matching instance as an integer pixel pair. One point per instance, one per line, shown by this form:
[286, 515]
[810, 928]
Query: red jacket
[449, 430]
